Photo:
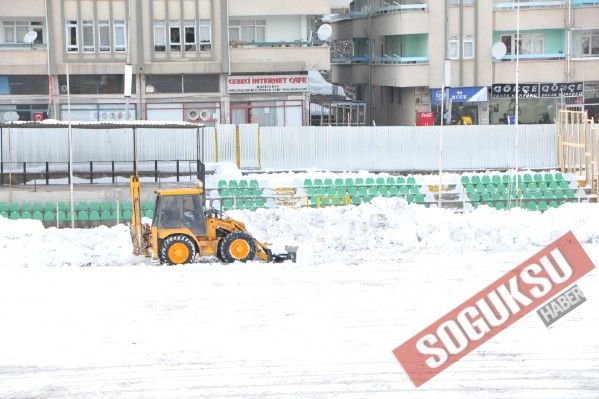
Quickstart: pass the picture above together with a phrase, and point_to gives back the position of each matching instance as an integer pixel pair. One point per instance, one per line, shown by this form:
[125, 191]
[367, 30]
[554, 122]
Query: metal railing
[511, 5]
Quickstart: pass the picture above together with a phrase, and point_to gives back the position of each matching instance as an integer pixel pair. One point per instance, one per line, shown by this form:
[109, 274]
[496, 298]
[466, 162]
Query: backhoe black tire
[218, 250]
[237, 246]
[177, 249]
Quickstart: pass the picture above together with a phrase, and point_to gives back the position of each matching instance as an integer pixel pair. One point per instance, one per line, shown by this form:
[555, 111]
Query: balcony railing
[532, 57]
[581, 3]
[511, 5]
[395, 59]
[22, 46]
[241, 43]
[395, 7]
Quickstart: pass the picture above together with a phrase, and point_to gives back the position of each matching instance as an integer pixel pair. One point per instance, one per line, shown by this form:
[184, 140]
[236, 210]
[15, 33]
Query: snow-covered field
[367, 279]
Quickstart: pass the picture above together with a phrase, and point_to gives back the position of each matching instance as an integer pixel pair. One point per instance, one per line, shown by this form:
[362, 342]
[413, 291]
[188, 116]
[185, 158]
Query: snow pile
[384, 229]
[26, 243]
[388, 227]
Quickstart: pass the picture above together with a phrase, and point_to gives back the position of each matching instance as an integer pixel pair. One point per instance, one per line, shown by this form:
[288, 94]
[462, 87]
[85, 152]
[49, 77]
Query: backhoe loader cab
[182, 229]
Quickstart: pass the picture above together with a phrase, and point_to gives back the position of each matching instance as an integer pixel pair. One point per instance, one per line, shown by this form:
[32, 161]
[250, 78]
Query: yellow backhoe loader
[182, 228]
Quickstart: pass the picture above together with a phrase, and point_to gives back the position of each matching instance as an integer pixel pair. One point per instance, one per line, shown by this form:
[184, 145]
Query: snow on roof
[319, 85]
[107, 124]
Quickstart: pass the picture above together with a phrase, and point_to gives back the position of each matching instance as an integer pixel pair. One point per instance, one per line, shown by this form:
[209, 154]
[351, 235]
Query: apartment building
[209, 61]
[402, 51]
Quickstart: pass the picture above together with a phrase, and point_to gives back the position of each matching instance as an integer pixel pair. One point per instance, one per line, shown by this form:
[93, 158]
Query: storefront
[465, 105]
[538, 102]
[268, 100]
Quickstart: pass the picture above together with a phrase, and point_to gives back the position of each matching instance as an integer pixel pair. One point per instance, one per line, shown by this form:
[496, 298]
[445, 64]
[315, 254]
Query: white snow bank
[384, 229]
[26, 243]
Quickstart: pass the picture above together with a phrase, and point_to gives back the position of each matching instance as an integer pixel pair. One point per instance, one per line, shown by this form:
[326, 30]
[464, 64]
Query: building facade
[210, 61]
[400, 53]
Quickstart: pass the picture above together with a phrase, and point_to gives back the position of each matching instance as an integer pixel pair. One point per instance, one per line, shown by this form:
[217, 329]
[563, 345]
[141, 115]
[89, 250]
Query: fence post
[134, 152]
[24, 173]
[177, 171]
[112, 165]
[91, 172]
[47, 173]
[155, 171]
[69, 172]
[237, 147]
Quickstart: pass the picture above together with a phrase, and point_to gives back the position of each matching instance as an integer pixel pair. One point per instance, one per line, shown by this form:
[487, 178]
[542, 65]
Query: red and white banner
[493, 309]
[267, 84]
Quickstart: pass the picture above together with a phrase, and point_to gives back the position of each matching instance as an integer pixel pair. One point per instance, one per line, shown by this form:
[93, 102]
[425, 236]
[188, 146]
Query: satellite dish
[498, 50]
[10, 116]
[30, 37]
[324, 32]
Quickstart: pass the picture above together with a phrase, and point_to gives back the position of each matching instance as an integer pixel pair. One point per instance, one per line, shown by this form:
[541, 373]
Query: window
[201, 83]
[468, 47]
[453, 45]
[174, 36]
[23, 84]
[15, 31]
[94, 84]
[120, 36]
[103, 36]
[159, 36]
[589, 42]
[532, 43]
[72, 36]
[89, 42]
[247, 30]
[205, 35]
[189, 30]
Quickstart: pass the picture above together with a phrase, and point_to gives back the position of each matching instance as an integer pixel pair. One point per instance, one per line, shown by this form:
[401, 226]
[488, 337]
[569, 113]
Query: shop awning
[461, 94]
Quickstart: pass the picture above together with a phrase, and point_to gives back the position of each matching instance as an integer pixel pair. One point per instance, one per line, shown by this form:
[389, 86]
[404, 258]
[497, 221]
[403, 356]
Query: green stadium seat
[480, 188]
[553, 185]
[331, 190]
[328, 182]
[486, 197]
[260, 203]
[148, 205]
[26, 206]
[380, 181]
[403, 190]
[506, 179]
[532, 206]
[558, 177]
[495, 179]
[222, 184]
[70, 216]
[61, 216]
[233, 184]
[475, 179]
[543, 206]
[14, 207]
[318, 183]
[411, 180]
[83, 216]
[3, 207]
[559, 194]
[64, 206]
[308, 183]
[340, 190]
[564, 185]
[370, 181]
[553, 204]
[105, 206]
[401, 180]
[95, 206]
[127, 206]
[349, 182]
[254, 183]
[475, 197]
[542, 185]
[393, 191]
[538, 177]
[366, 198]
[339, 182]
[351, 190]
[470, 189]
[25, 214]
[465, 180]
[94, 216]
[105, 215]
[359, 181]
[224, 192]
[570, 194]
[127, 214]
[310, 191]
[149, 213]
[490, 188]
[500, 205]
[414, 190]
[82, 206]
[548, 195]
[49, 216]
[486, 180]
[314, 201]
[373, 191]
[384, 191]
[243, 184]
[390, 181]
[37, 215]
[356, 200]
[548, 177]
[527, 178]
[14, 215]
[227, 204]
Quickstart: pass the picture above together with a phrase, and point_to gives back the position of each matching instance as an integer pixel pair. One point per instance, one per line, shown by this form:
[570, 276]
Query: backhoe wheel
[237, 246]
[219, 249]
[176, 250]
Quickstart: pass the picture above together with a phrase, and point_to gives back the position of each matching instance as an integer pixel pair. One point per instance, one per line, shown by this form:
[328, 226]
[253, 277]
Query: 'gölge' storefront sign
[507, 90]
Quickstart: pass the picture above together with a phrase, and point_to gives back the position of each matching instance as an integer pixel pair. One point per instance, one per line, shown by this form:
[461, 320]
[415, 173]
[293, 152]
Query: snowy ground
[368, 278]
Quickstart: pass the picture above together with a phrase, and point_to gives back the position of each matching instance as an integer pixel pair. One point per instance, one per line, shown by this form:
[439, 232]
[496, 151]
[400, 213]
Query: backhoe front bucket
[291, 255]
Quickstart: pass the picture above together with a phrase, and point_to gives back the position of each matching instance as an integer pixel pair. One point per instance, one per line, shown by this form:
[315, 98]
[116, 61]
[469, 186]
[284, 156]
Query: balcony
[529, 71]
[290, 7]
[583, 3]
[530, 18]
[398, 7]
[511, 5]
[350, 74]
[395, 59]
[401, 75]
[533, 57]
[405, 23]
[278, 57]
[23, 58]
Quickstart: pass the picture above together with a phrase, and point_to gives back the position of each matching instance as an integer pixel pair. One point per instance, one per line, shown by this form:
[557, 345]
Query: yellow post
[237, 147]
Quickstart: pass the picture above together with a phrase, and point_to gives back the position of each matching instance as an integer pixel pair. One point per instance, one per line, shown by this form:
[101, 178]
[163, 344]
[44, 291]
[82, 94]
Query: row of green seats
[249, 203]
[51, 216]
[359, 181]
[385, 191]
[238, 184]
[524, 178]
[481, 187]
[356, 199]
[526, 195]
[66, 206]
[240, 192]
[529, 205]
